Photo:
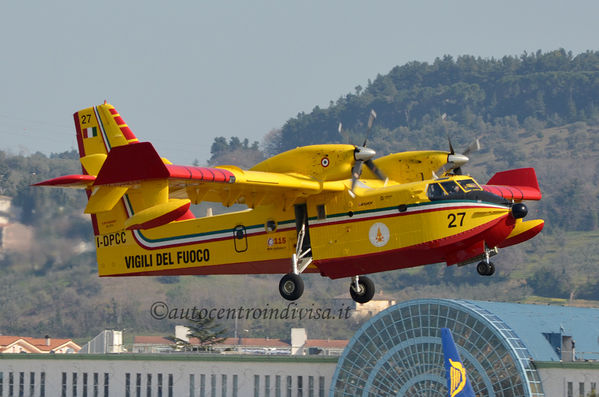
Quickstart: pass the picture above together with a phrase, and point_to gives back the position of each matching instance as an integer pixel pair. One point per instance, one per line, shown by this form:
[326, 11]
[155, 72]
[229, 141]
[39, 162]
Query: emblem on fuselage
[378, 234]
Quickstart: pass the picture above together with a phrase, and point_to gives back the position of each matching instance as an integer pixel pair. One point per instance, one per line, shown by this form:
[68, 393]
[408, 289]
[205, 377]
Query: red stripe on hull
[452, 249]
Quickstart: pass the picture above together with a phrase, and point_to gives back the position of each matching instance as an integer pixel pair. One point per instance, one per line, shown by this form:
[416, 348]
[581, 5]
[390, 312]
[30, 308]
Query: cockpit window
[469, 185]
[451, 187]
[435, 191]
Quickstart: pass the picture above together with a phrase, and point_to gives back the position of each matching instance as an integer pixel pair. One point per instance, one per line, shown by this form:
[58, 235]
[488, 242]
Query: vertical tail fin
[99, 129]
[458, 383]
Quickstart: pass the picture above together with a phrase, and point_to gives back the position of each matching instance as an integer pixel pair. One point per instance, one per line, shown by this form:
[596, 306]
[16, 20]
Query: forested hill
[554, 87]
[536, 110]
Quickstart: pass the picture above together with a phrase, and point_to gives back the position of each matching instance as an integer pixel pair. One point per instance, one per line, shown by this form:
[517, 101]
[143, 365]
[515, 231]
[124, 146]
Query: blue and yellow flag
[457, 380]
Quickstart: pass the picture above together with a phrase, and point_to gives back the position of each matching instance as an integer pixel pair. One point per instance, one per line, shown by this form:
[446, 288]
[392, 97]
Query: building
[107, 341]
[508, 349]
[164, 375]
[299, 344]
[25, 344]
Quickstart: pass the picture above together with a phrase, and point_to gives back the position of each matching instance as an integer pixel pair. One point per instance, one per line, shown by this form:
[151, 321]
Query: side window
[270, 226]
[435, 192]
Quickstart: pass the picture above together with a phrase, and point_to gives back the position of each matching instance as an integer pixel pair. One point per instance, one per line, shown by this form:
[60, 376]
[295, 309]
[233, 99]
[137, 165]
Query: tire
[291, 286]
[491, 269]
[366, 290]
[481, 268]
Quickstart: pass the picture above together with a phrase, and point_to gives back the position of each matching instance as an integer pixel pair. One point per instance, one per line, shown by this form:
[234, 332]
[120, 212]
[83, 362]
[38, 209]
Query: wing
[128, 167]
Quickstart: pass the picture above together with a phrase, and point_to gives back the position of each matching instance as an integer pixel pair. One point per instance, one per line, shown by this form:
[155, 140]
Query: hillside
[52, 287]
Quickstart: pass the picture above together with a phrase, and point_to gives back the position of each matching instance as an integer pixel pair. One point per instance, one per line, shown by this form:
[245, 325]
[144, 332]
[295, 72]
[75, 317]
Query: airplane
[312, 209]
[458, 384]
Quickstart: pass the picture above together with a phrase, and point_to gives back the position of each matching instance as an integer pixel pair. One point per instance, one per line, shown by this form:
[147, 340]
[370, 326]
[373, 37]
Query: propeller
[455, 161]
[473, 147]
[364, 155]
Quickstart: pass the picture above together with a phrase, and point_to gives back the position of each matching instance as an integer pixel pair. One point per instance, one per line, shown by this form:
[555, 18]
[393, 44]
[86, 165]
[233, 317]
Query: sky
[181, 73]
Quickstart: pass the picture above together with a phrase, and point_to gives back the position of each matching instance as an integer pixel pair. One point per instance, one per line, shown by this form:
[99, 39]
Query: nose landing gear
[486, 267]
[361, 289]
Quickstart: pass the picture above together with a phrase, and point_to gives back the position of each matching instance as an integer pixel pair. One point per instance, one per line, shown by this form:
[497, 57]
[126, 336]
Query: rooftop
[534, 323]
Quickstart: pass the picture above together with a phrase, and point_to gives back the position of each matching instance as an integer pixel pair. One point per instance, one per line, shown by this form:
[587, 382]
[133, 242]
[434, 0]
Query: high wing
[125, 167]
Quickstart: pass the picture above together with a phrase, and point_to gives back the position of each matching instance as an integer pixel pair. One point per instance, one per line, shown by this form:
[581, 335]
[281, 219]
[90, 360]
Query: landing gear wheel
[485, 269]
[481, 268]
[365, 290]
[291, 286]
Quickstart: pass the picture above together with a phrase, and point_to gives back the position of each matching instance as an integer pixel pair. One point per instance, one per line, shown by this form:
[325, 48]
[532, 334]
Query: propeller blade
[370, 123]
[356, 171]
[343, 133]
[375, 170]
[441, 171]
[473, 147]
[450, 145]
[371, 118]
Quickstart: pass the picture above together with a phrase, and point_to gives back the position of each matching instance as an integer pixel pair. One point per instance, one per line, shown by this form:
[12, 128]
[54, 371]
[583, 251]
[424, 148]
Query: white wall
[179, 366]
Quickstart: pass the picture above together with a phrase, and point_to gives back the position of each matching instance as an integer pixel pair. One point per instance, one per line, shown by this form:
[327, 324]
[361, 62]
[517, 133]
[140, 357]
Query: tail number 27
[454, 219]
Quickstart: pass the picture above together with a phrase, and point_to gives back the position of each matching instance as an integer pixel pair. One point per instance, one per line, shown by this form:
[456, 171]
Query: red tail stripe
[129, 135]
[119, 120]
[79, 137]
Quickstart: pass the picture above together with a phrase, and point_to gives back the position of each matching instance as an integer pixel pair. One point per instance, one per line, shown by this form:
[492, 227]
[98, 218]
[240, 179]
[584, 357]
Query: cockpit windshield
[451, 187]
[469, 185]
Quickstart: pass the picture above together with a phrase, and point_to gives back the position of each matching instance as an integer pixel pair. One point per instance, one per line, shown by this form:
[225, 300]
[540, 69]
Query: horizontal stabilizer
[93, 162]
[133, 162]
[517, 185]
[104, 198]
[158, 215]
[72, 181]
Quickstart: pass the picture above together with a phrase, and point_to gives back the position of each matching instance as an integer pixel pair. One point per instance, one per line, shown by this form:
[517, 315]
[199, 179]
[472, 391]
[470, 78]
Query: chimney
[48, 340]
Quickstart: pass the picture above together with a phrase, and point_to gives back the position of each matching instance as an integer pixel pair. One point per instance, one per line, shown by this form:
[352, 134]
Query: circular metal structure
[399, 353]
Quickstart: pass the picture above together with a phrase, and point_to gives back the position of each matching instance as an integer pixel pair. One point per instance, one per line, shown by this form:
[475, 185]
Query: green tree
[205, 332]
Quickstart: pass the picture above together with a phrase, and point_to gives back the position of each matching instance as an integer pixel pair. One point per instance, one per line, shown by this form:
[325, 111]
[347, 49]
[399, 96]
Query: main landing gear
[486, 267]
[291, 286]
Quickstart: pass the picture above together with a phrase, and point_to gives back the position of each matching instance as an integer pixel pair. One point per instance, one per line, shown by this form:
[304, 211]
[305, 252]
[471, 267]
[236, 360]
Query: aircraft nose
[519, 210]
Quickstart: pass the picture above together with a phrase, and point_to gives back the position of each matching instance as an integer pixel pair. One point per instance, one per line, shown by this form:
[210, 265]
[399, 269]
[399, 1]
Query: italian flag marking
[90, 132]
